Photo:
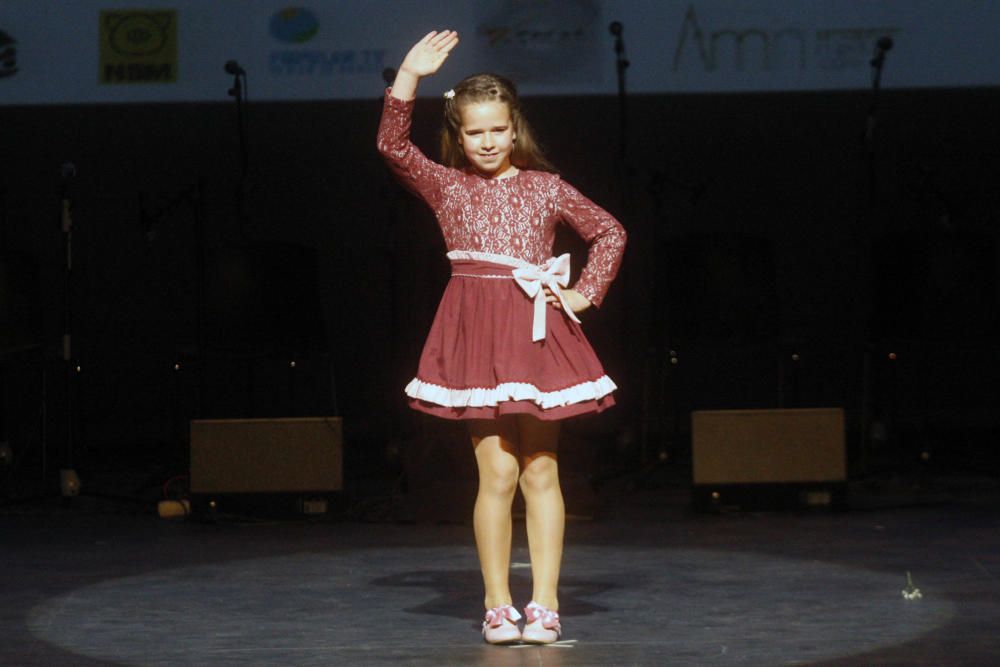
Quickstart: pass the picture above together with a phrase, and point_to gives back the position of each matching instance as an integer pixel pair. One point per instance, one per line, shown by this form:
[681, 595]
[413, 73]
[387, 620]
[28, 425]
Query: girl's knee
[539, 475]
[499, 475]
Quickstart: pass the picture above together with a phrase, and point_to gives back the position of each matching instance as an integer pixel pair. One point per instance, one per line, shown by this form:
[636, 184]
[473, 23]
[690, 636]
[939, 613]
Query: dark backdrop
[760, 260]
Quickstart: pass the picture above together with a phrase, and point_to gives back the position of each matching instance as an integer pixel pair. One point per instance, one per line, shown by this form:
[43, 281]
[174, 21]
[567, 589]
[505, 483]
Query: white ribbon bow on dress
[553, 274]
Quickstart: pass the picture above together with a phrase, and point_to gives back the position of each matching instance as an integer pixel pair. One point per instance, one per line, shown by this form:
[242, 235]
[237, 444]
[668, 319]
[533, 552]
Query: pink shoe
[500, 626]
[542, 625]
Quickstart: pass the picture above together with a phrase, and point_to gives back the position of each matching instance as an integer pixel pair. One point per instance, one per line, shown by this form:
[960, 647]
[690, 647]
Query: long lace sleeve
[604, 235]
[412, 168]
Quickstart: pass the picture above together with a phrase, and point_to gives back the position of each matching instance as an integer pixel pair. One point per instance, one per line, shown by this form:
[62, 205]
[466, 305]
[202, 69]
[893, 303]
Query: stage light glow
[837, 609]
[69, 482]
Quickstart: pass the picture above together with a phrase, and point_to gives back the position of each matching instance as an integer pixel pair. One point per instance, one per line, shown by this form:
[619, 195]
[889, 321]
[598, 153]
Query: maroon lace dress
[493, 349]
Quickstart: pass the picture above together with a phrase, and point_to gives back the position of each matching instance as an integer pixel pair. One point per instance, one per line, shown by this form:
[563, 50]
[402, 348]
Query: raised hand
[427, 55]
[424, 58]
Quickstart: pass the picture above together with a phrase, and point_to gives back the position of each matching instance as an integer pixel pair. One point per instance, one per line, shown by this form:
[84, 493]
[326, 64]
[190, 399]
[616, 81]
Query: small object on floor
[500, 625]
[542, 625]
[911, 592]
[174, 509]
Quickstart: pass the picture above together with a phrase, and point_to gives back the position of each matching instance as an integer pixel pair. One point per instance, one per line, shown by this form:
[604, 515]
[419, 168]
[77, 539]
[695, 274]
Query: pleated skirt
[479, 360]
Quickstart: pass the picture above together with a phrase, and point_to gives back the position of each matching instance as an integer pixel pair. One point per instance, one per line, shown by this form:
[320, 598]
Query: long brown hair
[527, 154]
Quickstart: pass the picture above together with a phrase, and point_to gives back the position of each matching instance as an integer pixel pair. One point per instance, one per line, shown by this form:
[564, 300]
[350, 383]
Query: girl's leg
[496, 447]
[546, 514]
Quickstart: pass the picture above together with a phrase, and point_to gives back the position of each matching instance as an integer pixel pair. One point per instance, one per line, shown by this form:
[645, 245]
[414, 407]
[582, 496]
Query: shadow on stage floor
[646, 581]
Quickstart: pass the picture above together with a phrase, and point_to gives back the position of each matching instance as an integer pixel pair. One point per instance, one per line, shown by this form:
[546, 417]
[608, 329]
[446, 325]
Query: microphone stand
[67, 173]
[882, 46]
[646, 364]
[193, 195]
[239, 93]
[394, 206]
[621, 64]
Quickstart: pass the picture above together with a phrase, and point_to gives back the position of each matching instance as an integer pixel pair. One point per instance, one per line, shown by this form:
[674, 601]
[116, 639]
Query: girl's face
[487, 137]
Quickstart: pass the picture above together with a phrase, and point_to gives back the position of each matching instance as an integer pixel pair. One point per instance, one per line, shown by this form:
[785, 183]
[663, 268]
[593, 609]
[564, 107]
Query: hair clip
[449, 94]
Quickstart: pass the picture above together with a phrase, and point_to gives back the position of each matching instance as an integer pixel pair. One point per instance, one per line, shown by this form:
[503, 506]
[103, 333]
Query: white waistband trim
[493, 257]
[478, 397]
[473, 275]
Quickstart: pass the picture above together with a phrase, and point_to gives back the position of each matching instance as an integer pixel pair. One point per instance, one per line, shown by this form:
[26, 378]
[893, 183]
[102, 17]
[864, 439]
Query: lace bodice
[514, 216]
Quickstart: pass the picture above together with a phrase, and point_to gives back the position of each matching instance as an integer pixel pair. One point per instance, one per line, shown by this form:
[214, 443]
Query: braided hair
[527, 154]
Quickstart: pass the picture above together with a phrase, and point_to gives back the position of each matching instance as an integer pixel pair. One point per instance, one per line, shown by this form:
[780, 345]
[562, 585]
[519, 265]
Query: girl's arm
[605, 236]
[423, 59]
[413, 169]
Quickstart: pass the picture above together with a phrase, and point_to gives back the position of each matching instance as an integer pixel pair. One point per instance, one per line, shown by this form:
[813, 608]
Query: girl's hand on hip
[427, 55]
[574, 300]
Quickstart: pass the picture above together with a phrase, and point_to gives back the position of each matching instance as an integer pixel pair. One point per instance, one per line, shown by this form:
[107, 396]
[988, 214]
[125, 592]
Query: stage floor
[645, 582]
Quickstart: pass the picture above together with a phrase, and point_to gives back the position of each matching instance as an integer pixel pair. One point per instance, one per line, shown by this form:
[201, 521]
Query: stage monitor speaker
[291, 455]
[768, 459]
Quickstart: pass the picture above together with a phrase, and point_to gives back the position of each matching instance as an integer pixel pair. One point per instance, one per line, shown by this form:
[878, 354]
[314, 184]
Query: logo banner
[113, 51]
[138, 46]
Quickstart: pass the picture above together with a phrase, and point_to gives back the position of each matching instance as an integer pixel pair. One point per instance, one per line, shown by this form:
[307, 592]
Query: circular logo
[137, 34]
[295, 25]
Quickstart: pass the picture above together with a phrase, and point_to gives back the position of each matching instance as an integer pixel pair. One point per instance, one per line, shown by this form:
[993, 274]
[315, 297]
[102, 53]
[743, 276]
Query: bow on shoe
[550, 619]
[496, 616]
[553, 274]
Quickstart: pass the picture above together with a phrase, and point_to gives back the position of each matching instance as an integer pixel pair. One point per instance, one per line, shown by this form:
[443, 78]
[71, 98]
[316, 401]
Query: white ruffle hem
[478, 397]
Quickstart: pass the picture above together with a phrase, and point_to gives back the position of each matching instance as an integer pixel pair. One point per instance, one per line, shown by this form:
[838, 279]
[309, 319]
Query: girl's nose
[488, 139]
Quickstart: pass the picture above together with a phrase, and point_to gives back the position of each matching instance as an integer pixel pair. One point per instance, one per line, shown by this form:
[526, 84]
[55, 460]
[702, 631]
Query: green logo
[138, 46]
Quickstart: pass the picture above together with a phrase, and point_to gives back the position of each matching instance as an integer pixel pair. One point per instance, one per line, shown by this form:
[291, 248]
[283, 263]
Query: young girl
[505, 351]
